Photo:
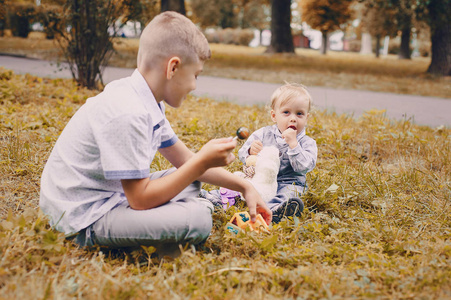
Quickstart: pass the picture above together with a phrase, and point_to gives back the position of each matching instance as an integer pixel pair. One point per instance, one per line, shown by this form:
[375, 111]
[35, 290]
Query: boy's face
[292, 114]
[182, 82]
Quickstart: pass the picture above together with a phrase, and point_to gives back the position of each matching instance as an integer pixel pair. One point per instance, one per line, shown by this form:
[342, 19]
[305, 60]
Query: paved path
[430, 111]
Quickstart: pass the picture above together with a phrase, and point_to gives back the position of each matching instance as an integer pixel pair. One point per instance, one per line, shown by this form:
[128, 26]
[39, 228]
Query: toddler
[290, 110]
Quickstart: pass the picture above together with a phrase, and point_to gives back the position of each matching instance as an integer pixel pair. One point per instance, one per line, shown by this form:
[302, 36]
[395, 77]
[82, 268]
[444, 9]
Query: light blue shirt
[114, 135]
[294, 163]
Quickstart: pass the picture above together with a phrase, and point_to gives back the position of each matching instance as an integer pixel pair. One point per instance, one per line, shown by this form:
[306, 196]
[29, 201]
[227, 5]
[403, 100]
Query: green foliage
[376, 224]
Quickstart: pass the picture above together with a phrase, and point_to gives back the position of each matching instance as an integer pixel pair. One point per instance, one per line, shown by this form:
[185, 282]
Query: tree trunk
[281, 37]
[378, 46]
[404, 49]
[440, 24]
[174, 5]
[324, 43]
[227, 19]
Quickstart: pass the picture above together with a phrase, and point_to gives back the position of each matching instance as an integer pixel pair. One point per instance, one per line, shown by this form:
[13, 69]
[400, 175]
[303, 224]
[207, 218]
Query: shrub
[236, 36]
[354, 45]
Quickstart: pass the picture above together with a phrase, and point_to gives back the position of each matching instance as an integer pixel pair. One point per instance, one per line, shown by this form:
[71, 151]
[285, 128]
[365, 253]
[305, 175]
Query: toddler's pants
[285, 192]
[184, 219]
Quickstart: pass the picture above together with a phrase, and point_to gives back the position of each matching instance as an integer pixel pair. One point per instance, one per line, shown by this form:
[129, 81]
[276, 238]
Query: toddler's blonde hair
[289, 91]
[171, 34]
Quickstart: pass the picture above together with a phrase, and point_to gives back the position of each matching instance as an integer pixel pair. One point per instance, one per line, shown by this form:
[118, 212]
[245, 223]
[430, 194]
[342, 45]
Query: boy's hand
[217, 152]
[256, 147]
[256, 205]
[289, 136]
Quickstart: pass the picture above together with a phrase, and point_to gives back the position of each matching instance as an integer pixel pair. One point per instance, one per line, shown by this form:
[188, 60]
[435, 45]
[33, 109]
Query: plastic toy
[228, 197]
[242, 133]
[242, 220]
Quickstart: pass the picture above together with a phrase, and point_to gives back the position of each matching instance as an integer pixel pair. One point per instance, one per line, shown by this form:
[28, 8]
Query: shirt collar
[155, 109]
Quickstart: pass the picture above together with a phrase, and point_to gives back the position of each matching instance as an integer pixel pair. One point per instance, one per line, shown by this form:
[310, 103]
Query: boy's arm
[178, 154]
[145, 193]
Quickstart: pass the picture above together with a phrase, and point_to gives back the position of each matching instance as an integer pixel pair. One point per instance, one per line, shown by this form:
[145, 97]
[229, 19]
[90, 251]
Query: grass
[342, 70]
[377, 222]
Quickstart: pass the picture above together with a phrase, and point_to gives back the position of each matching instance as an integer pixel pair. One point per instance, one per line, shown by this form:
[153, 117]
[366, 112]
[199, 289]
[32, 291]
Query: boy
[97, 184]
[290, 109]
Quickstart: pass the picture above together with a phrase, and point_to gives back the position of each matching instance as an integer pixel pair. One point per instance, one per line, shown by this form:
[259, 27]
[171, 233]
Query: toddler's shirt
[294, 163]
[114, 135]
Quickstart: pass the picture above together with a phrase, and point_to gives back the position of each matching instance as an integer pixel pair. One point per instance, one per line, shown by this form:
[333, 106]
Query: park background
[377, 219]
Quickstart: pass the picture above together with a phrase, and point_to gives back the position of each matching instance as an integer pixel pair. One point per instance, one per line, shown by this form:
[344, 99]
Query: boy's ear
[172, 67]
[273, 115]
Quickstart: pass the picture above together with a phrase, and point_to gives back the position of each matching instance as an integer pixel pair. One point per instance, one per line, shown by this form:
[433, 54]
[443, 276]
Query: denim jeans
[285, 192]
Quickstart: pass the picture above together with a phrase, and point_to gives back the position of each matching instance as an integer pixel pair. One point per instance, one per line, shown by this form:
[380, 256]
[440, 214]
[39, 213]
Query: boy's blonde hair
[171, 34]
[289, 91]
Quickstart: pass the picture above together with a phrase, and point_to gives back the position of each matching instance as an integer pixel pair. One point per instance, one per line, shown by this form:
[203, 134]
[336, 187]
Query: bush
[234, 36]
[354, 45]
[21, 16]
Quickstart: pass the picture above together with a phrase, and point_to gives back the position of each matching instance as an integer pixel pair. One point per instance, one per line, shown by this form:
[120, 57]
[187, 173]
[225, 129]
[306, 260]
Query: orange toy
[242, 220]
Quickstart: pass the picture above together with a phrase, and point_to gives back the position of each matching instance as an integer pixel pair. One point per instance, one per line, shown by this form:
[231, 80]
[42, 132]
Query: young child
[96, 184]
[290, 109]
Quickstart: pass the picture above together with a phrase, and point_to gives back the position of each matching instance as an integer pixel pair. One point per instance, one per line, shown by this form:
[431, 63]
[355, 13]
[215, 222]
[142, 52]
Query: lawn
[377, 222]
[344, 70]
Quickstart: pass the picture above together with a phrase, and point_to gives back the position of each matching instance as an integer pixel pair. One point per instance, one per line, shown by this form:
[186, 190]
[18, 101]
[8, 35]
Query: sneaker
[213, 196]
[292, 207]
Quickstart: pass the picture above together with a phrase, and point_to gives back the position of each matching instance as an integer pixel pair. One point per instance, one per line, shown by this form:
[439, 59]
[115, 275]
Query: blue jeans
[184, 219]
[285, 192]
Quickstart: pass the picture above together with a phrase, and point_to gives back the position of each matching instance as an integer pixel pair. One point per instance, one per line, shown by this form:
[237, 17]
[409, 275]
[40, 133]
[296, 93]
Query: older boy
[97, 181]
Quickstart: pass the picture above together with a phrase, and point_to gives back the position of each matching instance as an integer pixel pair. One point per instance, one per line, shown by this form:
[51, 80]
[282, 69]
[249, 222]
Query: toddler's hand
[289, 136]
[218, 152]
[256, 147]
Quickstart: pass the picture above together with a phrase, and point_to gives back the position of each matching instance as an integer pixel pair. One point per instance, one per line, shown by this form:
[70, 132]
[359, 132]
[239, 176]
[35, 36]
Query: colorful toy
[242, 220]
[242, 133]
[228, 197]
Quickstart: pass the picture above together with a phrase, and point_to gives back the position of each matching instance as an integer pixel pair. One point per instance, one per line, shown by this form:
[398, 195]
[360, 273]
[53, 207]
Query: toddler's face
[182, 83]
[292, 114]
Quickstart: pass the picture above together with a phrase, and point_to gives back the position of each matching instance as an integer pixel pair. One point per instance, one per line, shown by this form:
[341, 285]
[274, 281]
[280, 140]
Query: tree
[404, 18]
[379, 19]
[437, 13]
[141, 11]
[281, 36]
[174, 5]
[326, 16]
[230, 13]
[221, 13]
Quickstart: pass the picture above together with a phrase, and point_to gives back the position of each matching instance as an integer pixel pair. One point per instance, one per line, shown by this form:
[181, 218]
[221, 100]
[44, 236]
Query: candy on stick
[242, 133]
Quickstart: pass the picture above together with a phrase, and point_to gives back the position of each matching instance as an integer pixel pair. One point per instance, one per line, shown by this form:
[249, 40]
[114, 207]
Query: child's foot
[213, 196]
[293, 207]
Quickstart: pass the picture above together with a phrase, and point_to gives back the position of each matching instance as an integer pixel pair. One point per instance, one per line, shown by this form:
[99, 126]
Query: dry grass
[377, 223]
[336, 69]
